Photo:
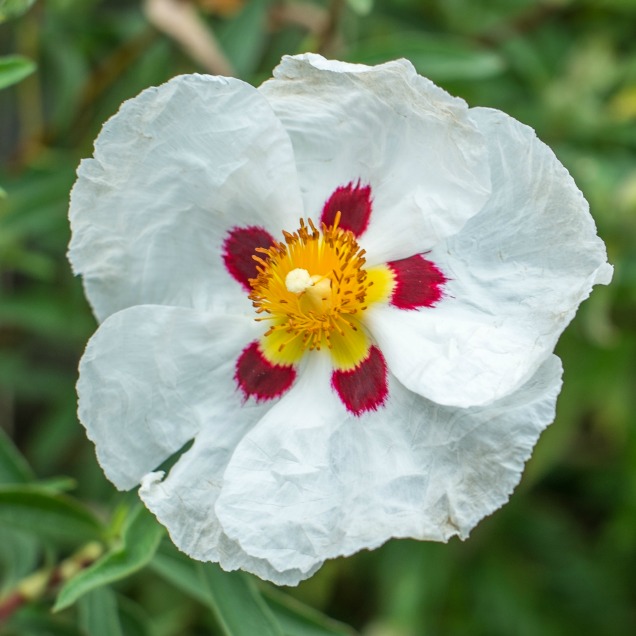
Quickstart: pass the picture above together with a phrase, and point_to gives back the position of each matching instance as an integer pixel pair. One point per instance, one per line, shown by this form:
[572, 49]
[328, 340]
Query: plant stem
[46, 580]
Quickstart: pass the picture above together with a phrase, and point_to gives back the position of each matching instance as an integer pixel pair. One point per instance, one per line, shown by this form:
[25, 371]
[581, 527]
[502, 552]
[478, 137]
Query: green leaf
[19, 555]
[13, 467]
[179, 570]
[13, 8]
[3, 193]
[232, 597]
[37, 311]
[36, 620]
[237, 604]
[295, 618]
[46, 514]
[58, 484]
[14, 68]
[98, 614]
[134, 620]
[140, 539]
[441, 58]
[244, 37]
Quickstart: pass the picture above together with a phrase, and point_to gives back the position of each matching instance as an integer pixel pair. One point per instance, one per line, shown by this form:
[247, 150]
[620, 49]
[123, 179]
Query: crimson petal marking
[353, 201]
[257, 377]
[418, 283]
[364, 388]
[239, 247]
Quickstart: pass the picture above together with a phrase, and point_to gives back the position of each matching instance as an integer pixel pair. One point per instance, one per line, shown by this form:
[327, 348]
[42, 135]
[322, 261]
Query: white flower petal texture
[385, 125]
[183, 157]
[332, 302]
[517, 272]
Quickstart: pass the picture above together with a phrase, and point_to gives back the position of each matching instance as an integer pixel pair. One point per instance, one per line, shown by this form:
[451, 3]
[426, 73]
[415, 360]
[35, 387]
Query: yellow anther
[313, 288]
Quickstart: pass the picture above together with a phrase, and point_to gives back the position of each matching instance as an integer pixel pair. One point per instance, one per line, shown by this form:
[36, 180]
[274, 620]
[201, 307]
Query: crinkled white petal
[184, 501]
[152, 377]
[388, 127]
[311, 482]
[174, 170]
[518, 272]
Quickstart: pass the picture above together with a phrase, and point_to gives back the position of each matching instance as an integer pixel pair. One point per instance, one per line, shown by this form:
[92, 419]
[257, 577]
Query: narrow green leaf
[233, 598]
[58, 484]
[46, 514]
[13, 467]
[179, 570]
[140, 538]
[14, 68]
[98, 614]
[133, 618]
[295, 618]
[3, 193]
[237, 604]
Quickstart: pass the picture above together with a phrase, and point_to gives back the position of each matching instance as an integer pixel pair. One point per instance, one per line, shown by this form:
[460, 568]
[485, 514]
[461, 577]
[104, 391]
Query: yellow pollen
[313, 290]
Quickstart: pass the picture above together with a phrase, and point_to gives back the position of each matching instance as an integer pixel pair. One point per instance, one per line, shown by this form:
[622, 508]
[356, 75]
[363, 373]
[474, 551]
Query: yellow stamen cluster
[313, 288]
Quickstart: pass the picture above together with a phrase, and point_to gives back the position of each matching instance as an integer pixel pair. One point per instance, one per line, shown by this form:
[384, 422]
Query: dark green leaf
[98, 613]
[134, 621]
[295, 618]
[48, 515]
[179, 570]
[34, 620]
[19, 554]
[237, 604]
[13, 467]
[140, 538]
[14, 68]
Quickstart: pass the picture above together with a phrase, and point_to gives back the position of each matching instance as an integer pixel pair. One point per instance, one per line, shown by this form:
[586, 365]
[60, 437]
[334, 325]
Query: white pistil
[316, 288]
[298, 280]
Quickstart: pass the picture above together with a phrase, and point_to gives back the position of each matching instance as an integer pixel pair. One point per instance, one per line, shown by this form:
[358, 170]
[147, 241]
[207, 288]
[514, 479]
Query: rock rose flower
[343, 288]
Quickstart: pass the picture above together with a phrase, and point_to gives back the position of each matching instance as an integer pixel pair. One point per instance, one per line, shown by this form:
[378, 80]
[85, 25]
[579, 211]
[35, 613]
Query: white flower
[336, 397]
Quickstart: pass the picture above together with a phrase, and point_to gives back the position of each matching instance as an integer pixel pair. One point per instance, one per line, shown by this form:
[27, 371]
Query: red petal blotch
[418, 283]
[364, 388]
[238, 249]
[353, 201]
[259, 378]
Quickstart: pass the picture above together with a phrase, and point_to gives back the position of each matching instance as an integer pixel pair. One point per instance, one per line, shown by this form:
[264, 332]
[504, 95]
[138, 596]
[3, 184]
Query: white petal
[174, 170]
[518, 272]
[184, 501]
[151, 378]
[311, 482]
[415, 145]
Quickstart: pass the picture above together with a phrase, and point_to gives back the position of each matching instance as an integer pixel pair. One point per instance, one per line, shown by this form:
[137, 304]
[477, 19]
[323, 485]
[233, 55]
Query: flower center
[314, 290]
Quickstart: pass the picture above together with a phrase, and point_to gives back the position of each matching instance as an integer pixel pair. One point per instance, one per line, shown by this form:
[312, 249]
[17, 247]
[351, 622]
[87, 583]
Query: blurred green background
[560, 558]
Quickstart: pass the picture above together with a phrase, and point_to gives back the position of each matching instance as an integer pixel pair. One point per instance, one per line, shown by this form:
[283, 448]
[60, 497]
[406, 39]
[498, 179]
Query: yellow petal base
[313, 289]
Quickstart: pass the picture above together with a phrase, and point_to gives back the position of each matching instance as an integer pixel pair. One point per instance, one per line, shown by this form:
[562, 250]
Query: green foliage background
[559, 559]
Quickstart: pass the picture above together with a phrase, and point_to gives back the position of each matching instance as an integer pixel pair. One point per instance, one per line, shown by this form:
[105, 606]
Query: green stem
[45, 580]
